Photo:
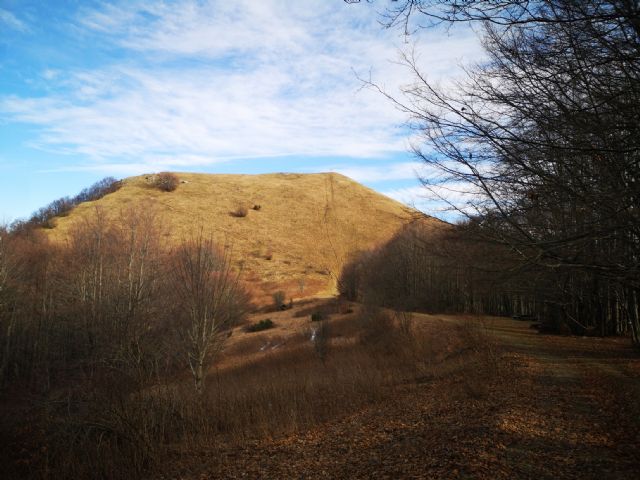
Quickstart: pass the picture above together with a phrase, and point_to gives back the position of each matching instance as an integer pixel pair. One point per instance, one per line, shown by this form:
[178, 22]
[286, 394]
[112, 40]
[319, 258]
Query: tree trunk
[198, 377]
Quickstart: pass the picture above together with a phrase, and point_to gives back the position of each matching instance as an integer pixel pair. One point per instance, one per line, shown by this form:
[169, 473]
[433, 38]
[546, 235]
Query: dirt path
[574, 411]
[522, 405]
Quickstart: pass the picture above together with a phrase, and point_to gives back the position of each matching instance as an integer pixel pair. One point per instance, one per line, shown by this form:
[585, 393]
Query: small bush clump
[278, 300]
[321, 340]
[318, 316]
[265, 324]
[167, 181]
[240, 212]
[377, 329]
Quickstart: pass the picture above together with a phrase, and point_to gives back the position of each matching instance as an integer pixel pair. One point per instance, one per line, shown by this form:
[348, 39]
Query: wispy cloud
[451, 201]
[382, 173]
[200, 82]
[9, 19]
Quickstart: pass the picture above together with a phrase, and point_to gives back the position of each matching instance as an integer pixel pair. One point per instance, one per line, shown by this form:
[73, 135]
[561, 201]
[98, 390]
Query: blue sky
[90, 89]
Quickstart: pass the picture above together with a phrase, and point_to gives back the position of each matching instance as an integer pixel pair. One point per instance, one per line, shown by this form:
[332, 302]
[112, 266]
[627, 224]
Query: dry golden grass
[305, 229]
[421, 397]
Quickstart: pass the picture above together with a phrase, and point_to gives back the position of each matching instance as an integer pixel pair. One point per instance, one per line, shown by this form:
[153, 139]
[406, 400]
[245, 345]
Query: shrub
[405, 323]
[265, 324]
[348, 282]
[278, 299]
[377, 329]
[343, 307]
[318, 316]
[240, 212]
[320, 338]
[325, 309]
[167, 181]
[256, 207]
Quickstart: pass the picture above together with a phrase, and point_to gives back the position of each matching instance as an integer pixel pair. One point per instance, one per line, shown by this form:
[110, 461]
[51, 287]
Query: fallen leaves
[538, 416]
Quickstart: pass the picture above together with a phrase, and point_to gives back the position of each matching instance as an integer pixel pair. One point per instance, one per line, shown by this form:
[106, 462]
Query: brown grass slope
[305, 229]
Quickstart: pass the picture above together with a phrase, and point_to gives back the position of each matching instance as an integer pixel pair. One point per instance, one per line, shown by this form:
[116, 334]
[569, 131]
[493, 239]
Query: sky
[90, 89]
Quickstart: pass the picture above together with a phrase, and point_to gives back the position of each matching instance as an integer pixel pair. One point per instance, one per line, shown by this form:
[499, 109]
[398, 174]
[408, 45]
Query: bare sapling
[208, 295]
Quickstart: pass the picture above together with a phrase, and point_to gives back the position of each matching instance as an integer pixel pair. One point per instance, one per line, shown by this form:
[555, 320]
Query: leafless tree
[209, 297]
[5, 264]
[7, 316]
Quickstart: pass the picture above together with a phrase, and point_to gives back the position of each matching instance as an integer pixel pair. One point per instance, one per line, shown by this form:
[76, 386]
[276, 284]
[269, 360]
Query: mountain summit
[290, 232]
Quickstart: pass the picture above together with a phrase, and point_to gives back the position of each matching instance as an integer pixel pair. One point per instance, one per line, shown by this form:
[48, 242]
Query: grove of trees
[89, 326]
[544, 137]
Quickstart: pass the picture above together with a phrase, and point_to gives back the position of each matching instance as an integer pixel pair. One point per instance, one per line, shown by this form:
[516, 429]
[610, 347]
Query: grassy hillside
[306, 227]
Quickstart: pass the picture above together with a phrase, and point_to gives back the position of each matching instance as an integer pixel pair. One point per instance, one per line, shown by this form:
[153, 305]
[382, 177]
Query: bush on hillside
[240, 212]
[265, 324]
[320, 338]
[167, 181]
[278, 299]
[377, 329]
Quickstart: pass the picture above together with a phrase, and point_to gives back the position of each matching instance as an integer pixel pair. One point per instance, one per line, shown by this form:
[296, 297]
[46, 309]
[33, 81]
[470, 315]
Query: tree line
[453, 269]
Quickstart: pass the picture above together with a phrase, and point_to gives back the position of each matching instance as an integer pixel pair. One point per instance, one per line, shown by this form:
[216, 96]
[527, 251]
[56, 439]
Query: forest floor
[519, 405]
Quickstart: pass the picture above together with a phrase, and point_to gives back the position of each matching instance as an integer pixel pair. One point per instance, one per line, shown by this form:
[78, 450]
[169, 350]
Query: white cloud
[207, 81]
[12, 21]
[373, 174]
[409, 195]
[50, 74]
[452, 201]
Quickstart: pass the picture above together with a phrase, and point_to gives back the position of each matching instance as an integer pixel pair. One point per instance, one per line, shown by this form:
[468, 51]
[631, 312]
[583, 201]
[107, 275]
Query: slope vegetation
[302, 230]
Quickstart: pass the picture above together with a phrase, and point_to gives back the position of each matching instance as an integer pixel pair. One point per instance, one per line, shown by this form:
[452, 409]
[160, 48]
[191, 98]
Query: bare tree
[4, 262]
[7, 316]
[140, 267]
[209, 297]
[320, 337]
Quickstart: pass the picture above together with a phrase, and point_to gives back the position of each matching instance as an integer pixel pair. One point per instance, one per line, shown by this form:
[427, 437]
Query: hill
[306, 227]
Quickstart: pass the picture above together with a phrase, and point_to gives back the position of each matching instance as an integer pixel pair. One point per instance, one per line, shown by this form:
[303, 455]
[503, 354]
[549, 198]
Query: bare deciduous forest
[544, 140]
